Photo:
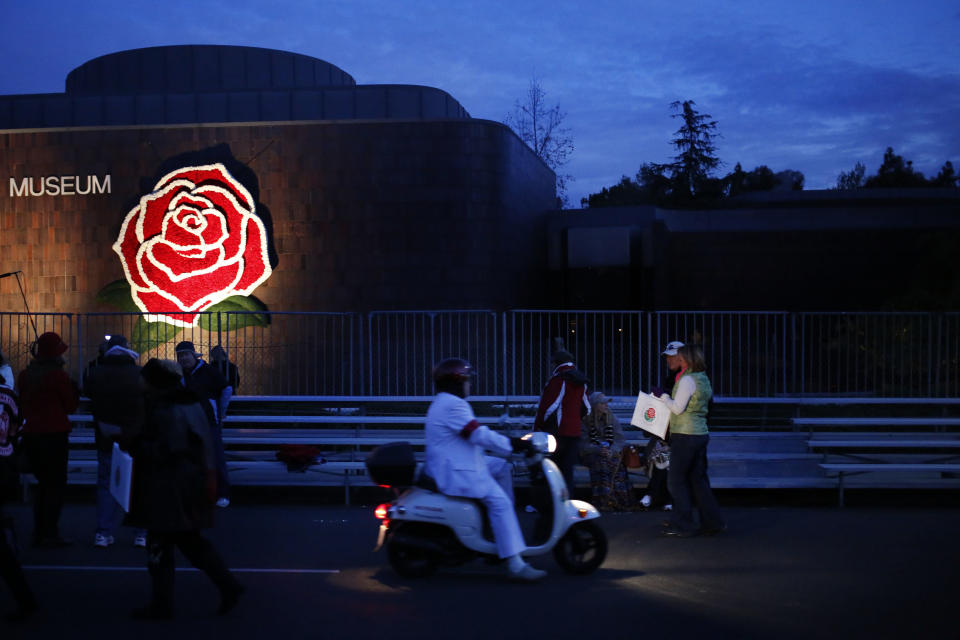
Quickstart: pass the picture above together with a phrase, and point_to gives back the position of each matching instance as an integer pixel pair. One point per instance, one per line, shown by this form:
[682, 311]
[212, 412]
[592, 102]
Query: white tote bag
[651, 415]
[121, 476]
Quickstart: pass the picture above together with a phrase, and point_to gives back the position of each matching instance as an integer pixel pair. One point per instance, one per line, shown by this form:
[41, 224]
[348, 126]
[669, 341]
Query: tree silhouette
[541, 127]
[690, 171]
[895, 172]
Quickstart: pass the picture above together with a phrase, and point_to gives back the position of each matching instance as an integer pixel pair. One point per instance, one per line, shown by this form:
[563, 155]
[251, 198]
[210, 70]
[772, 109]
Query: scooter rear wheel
[409, 561]
[582, 549]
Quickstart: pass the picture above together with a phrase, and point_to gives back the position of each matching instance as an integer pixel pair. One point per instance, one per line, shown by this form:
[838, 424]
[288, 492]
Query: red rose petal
[254, 258]
[154, 209]
[178, 262]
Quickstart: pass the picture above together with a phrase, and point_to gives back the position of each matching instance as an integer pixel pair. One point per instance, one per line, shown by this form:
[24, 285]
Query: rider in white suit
[456, 461]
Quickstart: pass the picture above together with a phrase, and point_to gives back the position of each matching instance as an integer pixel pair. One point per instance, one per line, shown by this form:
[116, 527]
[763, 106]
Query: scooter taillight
[381, 511]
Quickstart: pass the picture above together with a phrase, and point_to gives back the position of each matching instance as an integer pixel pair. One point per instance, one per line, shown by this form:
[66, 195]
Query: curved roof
[202, 69]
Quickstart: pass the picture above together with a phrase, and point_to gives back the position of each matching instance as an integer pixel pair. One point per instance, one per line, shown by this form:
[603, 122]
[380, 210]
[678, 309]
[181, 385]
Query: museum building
[193, 174]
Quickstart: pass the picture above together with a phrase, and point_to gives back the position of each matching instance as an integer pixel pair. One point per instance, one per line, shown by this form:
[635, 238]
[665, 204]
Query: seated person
[455, 460]
[601, 450]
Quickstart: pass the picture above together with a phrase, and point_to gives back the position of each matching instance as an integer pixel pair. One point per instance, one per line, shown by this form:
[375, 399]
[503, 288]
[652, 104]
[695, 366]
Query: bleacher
[756, 443]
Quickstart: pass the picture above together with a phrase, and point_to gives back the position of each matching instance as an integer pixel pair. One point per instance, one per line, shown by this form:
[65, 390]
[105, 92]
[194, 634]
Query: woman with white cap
[687, 478]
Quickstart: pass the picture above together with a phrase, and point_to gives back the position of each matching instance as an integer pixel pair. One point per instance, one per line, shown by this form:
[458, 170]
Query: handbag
[632, 459]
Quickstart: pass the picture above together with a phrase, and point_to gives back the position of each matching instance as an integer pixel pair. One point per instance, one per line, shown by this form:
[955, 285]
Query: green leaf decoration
[150, 335]
[257, 316]
[117, 295]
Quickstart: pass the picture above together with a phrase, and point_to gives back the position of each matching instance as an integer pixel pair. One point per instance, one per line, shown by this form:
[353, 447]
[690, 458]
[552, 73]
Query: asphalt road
[779, 572]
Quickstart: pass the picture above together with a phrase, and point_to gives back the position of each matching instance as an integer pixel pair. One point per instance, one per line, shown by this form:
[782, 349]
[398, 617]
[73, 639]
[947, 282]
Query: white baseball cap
[672, 347]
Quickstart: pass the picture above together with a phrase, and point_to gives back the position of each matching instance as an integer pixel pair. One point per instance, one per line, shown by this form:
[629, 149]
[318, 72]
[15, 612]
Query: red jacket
[47, 397]
[563, 403]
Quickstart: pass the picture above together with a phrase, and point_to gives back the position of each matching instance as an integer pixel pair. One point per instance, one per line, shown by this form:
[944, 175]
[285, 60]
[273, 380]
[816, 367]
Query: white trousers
[499, 503]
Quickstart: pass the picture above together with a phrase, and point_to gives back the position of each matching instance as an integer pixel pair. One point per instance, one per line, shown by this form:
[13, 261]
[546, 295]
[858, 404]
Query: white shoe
[223, 502]
[101, 540]
[527, 574]
[646, 501]
[140, 540]
[668, 507]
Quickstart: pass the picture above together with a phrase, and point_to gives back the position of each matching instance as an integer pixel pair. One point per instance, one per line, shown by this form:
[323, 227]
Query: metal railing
[390, 353]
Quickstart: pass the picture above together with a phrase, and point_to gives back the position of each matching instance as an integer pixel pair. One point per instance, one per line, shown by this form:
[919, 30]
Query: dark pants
[199, 552]
[10, 570]
[47, 455]
[223, 479]
[657, 487]
[567, 456]
[689, 485]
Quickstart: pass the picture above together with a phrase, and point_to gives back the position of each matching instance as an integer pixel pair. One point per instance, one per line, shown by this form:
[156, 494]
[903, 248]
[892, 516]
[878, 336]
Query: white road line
[65, 567]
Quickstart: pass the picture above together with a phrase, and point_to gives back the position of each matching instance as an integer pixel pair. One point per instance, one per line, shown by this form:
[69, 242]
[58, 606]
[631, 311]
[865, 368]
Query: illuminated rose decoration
[191, 243]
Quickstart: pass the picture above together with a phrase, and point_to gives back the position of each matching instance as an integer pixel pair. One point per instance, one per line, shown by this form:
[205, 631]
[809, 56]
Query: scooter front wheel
[410, 561]
[582, 549]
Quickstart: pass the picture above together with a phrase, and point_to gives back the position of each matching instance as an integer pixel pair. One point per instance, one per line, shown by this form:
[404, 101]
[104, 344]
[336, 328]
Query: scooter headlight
[542, 441]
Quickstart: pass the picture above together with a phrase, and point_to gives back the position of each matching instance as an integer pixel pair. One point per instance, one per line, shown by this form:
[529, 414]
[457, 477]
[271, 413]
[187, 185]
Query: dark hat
[597, 397]
[186, 345]
[162, 374]
[561, 356]
[50, 345]
[118, 341]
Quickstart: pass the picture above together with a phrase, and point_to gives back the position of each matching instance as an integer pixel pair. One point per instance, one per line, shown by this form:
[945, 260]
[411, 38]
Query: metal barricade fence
[276, 353]
[403, 346]
[19, 331]
[390, 353]
[606, 345]
[746, 352]
[878, 354]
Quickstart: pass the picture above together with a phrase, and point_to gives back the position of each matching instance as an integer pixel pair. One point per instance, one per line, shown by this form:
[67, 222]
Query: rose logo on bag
[650, 414]
[192, 242]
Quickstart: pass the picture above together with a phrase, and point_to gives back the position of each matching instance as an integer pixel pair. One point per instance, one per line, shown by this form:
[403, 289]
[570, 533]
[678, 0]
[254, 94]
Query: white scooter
[423, 529]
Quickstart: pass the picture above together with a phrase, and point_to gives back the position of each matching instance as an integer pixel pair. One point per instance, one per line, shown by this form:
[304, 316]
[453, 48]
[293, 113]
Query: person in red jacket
[47, 397]
[563, 405]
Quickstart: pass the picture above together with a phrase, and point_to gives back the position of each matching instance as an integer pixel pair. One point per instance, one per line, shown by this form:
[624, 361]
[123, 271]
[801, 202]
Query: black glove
[520, 445]
[656, 392]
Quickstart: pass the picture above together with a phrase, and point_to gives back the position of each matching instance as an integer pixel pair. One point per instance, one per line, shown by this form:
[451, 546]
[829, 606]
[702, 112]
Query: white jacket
[455, 445]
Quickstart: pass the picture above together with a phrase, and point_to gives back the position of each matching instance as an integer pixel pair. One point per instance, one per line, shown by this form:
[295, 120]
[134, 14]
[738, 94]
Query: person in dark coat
[47, 398]
[174, 488]
[207, 382]
[220, 360]
[563, 404]
[10, 570]
[113, 387]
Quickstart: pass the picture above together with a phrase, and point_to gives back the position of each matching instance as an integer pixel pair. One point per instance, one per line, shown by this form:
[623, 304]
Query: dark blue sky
[813, 86]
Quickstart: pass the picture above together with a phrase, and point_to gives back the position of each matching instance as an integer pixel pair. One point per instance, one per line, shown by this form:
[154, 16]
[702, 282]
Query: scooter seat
[426, 481]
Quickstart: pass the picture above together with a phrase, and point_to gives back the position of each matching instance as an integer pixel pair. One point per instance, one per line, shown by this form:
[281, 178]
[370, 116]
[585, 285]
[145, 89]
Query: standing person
[208, 383]
[602, 451]
[219, 359]
[113, 387]
[47, 398]
[687, 478]
[455, 445]
[563, 404]
[173, 492]
[10, 570]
